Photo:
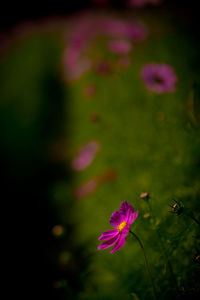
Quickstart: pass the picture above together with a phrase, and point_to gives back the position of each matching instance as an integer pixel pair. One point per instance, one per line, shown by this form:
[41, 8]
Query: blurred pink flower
[82, 66]
[94, 117]
[90, 90]
[120, 46]
[85, 29]
[114, 27]
[86, 188]
[124, 61]
[75, 64]
[121, 220]
[159, 78]
[103, 68]
[85, 156]
[144, 195]
[92, 184]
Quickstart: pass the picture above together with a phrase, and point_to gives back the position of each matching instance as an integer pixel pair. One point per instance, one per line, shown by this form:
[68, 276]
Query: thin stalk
[163, 249]
[193, 218]
[146, 264]
[173, 277]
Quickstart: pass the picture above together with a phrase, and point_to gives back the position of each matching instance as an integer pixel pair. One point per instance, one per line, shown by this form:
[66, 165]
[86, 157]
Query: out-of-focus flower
[103, 68]
[76, 61]
[85, 156]
[86, 188]
[123, 29]
[120, 46]
[90, 90]
[159, 78]
[92, 184]
[121, 220]
[141, 3]
[58, 230]
[75, 64]
[144, 196]
[94, 117]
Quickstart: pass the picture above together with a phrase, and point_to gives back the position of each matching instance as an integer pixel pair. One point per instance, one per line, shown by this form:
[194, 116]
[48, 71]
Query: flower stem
[193, 218]
[190, 214]
[163, 249]
[146, 264]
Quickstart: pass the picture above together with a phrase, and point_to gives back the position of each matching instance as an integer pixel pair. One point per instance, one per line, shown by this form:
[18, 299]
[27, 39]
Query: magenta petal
[116, 219]
[133, 217]
[125, 209]
[129, 215]
[125, 231]
[108, 243]
[166, 75]
[108, 234]
[119, 244]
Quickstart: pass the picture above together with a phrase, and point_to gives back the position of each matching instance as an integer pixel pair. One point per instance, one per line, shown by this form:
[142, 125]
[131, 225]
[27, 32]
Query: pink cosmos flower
[120, 46]
[121, 220]
[85, 28]
[117, 28]
[92, 184]
[103, 67]
[85, 156]
[85, 189]
[90, 90]
[159, 78]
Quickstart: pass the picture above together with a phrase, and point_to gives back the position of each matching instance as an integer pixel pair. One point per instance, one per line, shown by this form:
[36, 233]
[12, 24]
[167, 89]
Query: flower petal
[126, 209]
[133, 216]
[125, 231]
[108, 234]
[108, 243]
[120, 243]
[116, 219]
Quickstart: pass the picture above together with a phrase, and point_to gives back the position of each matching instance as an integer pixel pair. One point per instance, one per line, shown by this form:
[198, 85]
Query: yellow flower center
[122, 225]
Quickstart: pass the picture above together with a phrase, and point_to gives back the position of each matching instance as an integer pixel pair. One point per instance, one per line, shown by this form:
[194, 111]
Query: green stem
[194, 219]
[162, 248]
[190, 214]
[146, 263]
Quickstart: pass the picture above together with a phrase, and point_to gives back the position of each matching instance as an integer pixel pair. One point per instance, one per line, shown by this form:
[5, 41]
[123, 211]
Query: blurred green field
[151, 142]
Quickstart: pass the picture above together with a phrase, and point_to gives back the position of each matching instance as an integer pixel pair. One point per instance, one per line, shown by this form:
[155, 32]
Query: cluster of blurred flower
[87, 28]
[120, 36]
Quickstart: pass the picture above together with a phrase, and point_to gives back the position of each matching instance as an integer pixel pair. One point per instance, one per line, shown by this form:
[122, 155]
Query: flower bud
[177, 207]
[144, 196]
